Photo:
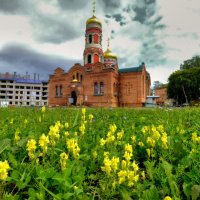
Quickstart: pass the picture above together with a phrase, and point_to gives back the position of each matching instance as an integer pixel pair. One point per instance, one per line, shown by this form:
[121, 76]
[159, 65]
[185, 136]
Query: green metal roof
[131, 69]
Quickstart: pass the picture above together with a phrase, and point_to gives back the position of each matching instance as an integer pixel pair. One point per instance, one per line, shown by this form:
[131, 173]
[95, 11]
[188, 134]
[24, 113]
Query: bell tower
[93, 40]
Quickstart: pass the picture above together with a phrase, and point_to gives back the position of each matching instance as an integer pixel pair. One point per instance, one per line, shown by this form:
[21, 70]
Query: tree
[191, 63]
[184, 85]
[157, 84]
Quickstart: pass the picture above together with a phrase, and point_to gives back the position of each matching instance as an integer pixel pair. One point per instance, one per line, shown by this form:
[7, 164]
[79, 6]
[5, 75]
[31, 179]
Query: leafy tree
[191, 63]
[184, 85]
[157, 84]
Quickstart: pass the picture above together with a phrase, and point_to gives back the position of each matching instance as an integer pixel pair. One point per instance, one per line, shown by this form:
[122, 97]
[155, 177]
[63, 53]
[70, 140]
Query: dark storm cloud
[16, 57]
[14, 6]
[47, 28]
[71, 5]
[52, 29]
[111, 4]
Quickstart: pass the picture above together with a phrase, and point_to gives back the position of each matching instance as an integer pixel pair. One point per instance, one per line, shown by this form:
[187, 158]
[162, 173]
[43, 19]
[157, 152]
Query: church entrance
[74, 97]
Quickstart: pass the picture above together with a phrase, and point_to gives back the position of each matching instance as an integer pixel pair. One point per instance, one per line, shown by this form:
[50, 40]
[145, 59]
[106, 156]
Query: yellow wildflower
[31, 147]
[120, 134]
[94, 154]
[82, 128]
[43, 142]
[135, 166]
[145, 129]
[72, 146]
[4, 167]
[151, 141]
[102, 142]
[133, 138]
[124, 164]
[106, 154]
[63, 159]
[66, 125]
[107, 166]
[128, 148]
[66, 133]
[141, 144]
[112, 128]
[148, 152]
[143, 175]
[164, 140]
[122, 174]
[17, 137]
[127, 155]
[167, 198]
[43, 109]
[90, 117]
[83, 111]
[114, 163]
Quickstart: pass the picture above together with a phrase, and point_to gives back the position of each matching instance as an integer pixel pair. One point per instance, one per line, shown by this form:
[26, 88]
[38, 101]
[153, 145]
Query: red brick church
[99, 82]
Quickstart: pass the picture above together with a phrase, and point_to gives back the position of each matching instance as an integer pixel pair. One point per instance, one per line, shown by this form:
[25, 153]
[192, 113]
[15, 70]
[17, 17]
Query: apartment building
[22, 90]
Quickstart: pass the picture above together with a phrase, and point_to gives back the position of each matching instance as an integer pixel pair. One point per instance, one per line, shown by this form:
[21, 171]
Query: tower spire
[94, 7]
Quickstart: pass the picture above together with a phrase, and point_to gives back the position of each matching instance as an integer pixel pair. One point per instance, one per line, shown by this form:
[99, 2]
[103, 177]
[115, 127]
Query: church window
[56, 90]
[96, 58]
[81, 77]
[95, 88]
[90, 39]
[101, 87]
[77, 76]
[60, 90]
[89, 59]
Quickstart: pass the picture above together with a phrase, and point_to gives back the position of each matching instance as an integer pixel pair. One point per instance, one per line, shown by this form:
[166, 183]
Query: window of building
[90, 39]
[101, 87]
[81, 78]
[56, 90]
[77, 76]
[89, 58]
[60, 90]
[95, 88]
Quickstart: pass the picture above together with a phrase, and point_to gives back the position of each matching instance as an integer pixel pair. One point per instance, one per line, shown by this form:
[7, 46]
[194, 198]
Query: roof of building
[22, 80]
[131, 69]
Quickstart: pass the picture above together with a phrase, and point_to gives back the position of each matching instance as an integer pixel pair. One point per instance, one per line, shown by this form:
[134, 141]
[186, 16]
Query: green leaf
[151, 193]
[195, 192]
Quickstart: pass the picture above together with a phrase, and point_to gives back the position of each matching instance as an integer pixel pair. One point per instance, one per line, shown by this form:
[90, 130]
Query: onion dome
[93, 19]
[109, 54]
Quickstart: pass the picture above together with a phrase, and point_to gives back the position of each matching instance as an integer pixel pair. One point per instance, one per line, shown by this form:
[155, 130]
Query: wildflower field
[147, 154]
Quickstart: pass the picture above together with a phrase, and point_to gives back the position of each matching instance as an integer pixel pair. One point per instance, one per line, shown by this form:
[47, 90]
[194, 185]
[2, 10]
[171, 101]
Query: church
[99, 82]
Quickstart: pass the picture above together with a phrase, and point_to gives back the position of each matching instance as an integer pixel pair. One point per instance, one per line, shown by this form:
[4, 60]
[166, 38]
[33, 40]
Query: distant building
[162, 93]
[22, 91]
[99, 82]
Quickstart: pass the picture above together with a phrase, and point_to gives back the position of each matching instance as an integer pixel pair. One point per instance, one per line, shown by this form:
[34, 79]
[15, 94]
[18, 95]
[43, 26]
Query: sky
[37, 36]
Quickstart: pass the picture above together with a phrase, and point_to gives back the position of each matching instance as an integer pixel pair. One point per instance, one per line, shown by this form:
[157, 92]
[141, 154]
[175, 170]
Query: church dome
[109, 54]
[93, 19]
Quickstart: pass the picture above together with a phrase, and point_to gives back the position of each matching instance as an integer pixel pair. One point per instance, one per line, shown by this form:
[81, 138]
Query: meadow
[78, 153]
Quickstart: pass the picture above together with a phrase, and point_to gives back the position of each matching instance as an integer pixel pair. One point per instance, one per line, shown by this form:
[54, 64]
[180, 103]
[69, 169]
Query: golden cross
[94, 7]
[108, 40]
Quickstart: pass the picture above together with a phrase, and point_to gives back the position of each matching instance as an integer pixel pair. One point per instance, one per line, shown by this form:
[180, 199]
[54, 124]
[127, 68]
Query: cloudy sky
[36, 36]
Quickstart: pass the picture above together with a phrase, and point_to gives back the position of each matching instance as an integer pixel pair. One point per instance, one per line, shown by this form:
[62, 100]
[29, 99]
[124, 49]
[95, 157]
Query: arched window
[81, 78]
[90, 39]
[89, 59]
[77, 76]
[101, 87]
[60, 90]
[73, 77]
[96, 58]
[95, 88]
[56, 90]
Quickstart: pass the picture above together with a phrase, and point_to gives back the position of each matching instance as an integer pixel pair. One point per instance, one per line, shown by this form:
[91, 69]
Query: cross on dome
[94, 7]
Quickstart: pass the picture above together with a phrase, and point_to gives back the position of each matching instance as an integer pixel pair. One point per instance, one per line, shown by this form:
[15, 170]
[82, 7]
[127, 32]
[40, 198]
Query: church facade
[99, 82]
